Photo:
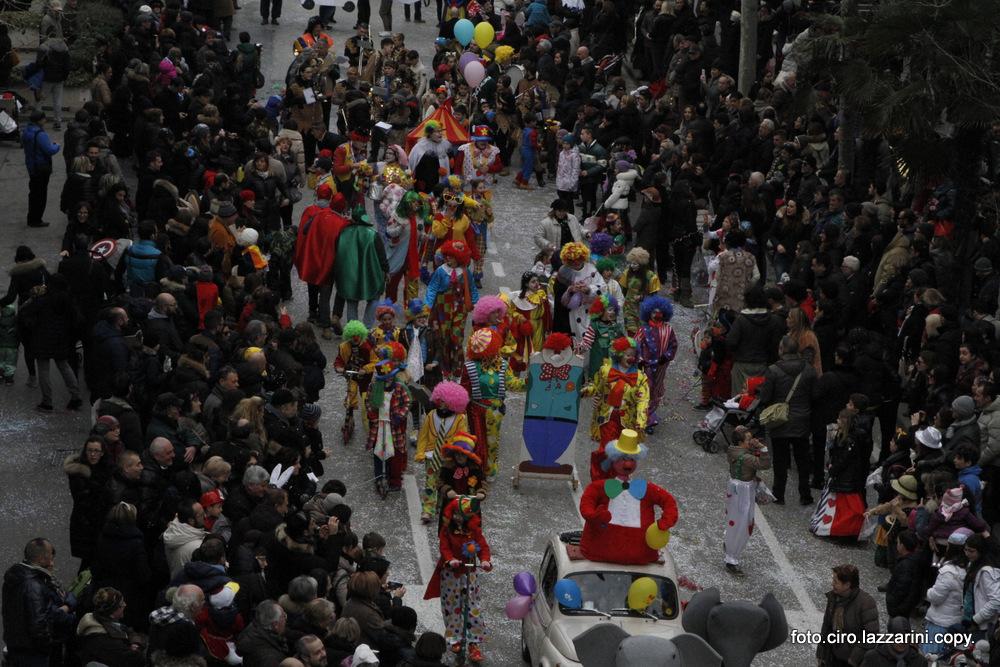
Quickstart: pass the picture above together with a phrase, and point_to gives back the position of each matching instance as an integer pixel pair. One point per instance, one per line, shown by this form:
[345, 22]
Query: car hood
[562, 631]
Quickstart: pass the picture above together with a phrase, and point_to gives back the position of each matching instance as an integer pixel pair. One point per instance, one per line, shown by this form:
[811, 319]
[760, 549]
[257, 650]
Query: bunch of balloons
[483, 34]
[525, 586]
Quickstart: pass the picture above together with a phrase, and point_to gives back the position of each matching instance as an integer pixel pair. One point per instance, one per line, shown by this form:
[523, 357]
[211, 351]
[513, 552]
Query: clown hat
[483, 344]
[622, 344]
[627, 445]
[390, 354]
[557, 342]
[462, 443]
[481, 133]
[416, 308]
[385, 307]
[457, 249]
[354, 329]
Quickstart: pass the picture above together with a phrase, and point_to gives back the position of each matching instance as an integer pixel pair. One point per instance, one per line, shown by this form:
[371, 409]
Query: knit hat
[104, 424]
[929, 437]
[462, 443]
[905, 486]
[227, 209]
[951, 502]
[963, 407]
[959, 536]
[248, 195]
[622, 165]
[247, 236]
[852, 262]
[310, 412]
[331, 501]
[107, 600]
[282, 397]
[209, 498]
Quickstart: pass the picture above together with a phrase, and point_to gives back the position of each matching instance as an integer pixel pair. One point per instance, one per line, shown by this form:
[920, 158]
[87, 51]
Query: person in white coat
[982, 577]
[558, 228]
[945, 597]
[625, 177]
[183, 535]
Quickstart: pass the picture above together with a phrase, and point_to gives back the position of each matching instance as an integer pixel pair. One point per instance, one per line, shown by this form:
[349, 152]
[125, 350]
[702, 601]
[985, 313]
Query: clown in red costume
[619, 510]
[315, 251]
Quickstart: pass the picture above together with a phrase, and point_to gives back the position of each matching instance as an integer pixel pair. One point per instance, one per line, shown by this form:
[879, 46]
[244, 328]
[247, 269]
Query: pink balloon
[466, 58]
[474, 73]
[518, 607]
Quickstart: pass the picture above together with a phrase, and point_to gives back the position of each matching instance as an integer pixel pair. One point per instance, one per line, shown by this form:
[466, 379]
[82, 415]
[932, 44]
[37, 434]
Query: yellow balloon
[656, 538]
[483, 34]
[641, 593]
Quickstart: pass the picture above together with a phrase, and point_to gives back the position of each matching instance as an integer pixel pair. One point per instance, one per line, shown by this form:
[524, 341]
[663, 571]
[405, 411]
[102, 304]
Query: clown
[462, 544]
[618, 511]
[657, 345]
[403, 233]
[491, 311]
[385, 329]
[452, 223]
[480, 221]
[429, 157]
[486, 375]
[577, 284]
[352, 361]
[315, 252]
[621, 398]
[394, 181]
[440, 426]
[530, 316]
[637, 282]
[478, 158]
[605, 327]
[388, 406]
[451, 294]
[350, 169]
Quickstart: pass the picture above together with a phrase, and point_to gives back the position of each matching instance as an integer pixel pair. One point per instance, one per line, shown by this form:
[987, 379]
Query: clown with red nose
[618, 512]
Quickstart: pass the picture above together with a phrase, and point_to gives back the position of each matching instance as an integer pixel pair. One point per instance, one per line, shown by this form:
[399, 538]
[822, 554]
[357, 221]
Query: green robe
[604, 334]
[358, 269]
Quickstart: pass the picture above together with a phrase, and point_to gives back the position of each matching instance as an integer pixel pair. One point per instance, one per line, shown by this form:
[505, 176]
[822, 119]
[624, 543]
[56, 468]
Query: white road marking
[420, 544]
[498, 270]
[491, 247]
[810, 615]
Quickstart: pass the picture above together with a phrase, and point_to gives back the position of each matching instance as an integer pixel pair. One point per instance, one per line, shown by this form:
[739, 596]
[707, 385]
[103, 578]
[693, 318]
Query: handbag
[776, 414]
[294, 195]
[763, 494]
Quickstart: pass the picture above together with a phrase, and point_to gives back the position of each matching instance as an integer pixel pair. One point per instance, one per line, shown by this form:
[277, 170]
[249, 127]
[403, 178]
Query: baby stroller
[722, 419]
[10, 108]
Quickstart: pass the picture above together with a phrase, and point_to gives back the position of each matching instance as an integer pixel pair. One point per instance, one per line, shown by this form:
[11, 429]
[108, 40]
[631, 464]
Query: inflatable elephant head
[739, 630]
[607, 645]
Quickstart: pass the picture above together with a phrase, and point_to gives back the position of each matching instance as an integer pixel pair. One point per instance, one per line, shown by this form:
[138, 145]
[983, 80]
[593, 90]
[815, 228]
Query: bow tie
[550, 372]
[461, 472]
[635, 487]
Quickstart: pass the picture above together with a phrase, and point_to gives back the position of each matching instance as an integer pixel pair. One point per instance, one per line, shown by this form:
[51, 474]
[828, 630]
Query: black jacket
[107, 355]
[49, 324]
[32, 619]
[86, 485]
[120, 561]
[261, 647]
[848, 468]
[754, 337]
[107, 642]
[906, 586]
[778, 381]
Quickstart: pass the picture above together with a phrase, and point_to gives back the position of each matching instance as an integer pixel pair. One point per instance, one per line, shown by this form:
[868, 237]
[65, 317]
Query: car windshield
[607, 592]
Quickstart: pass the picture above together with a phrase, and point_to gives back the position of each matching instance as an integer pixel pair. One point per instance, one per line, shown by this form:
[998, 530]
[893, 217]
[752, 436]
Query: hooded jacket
[618, 199]
[754, 336]
[38, 149]
[179, 542]
[945, 596]
[778, 381]
[103, 640]
[989, 434]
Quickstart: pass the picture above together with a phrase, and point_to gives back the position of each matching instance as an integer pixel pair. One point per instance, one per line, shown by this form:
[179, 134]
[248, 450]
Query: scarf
[618, 380]
[948, 510]
[950, 431]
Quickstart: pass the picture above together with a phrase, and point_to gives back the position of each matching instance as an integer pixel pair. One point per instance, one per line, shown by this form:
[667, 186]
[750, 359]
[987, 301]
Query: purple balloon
[518, 607]
[524, 583]
[474, 73]
[466, 58]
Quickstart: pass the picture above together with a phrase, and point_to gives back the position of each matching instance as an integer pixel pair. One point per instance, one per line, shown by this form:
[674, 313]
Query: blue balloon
[568, 594]
[464, 31]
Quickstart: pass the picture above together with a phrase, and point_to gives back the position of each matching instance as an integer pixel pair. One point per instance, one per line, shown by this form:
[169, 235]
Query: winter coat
[848, 465]
[128, 419]
[53, 56]
[179, 542]
[989, 434]
[105, 641]
[287, 559]
[368, 615]
[945, 596]
[86, 486]
[986, 596]
[905, 588]
[206, 576]
[549, 234]
[239, 504]
[24, 276]
[859, 613]
[962, 433]
[32, 620]
[646, 227]
[618, 199]
[754, 336]
[778, 381]
[38, 149]
[939, 528]
[50, 324]
[737, 272]
[107, 354]
[260, 647]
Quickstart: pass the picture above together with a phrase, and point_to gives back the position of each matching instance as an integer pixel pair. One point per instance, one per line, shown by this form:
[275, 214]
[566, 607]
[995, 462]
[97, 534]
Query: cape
[359, 274]
[316, 245]
[616, 514]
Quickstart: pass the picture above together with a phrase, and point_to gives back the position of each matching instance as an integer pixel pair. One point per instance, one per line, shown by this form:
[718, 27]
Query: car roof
[566, 566]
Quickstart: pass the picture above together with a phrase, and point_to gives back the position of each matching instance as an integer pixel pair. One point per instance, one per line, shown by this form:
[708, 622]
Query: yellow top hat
[628, 443]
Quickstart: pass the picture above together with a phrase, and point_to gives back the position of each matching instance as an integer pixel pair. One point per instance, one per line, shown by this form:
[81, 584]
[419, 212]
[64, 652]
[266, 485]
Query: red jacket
[450, 544]
[316, 244]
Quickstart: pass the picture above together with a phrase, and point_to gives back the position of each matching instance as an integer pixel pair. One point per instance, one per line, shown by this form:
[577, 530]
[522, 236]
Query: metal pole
[748, 45]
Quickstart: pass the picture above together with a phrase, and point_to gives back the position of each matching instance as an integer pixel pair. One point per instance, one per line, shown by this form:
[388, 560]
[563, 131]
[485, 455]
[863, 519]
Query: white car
[547, 632]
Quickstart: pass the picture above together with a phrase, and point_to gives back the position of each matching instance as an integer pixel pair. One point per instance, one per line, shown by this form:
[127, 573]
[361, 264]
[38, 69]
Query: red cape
[316, 244]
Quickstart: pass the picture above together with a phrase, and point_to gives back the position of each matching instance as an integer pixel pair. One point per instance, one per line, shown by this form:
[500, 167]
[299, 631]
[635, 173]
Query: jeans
[38, 193]
[934, 648]
[351, 311]
[385, 13]
[588, 197]
[46, 385]
[784, 448]
[55, 91]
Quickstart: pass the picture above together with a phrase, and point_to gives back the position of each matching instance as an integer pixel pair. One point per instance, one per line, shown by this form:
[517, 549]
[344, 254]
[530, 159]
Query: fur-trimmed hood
[74, 467]
[166, 185]
[22, 268]
[286, 541]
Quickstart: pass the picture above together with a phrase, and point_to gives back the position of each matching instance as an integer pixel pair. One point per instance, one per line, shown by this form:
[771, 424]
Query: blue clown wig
[653, 303]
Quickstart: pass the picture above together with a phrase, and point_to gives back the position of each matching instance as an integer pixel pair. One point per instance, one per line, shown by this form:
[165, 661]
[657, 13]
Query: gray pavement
[782, 557]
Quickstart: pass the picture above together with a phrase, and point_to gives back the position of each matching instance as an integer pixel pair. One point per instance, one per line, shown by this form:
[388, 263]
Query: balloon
[524, 583]
[483, 34]
[464, 31]
[466, 58]
[474, 73]
[656, 538]
[641, 593]
[568, 594]
[518, 607]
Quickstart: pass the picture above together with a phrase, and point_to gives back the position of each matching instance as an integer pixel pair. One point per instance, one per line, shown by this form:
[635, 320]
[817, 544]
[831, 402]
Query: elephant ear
[779, 624]
[650, 651]
[597, 646]
[696, 651]
[695, 617]
[737, 630]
